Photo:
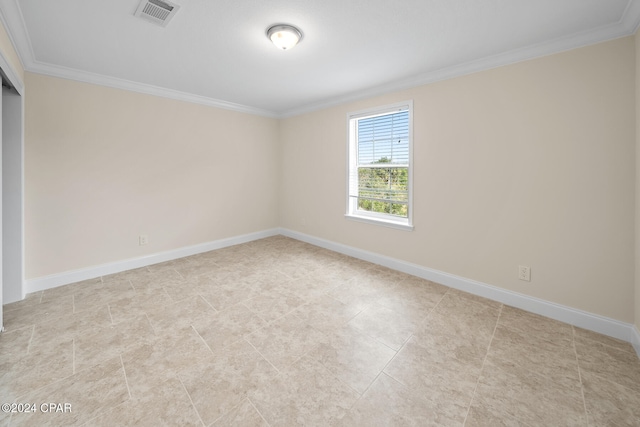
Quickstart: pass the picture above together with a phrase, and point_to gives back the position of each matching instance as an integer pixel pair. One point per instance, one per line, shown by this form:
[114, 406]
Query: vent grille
[157, 11]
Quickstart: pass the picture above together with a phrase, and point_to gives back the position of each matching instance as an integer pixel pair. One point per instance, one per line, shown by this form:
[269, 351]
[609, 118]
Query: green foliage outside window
[383, 189]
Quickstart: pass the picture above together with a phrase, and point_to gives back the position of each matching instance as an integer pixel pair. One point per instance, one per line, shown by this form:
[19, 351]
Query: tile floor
[281, 333]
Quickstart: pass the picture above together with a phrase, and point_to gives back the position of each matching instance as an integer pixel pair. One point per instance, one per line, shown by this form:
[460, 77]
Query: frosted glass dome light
[284, 36]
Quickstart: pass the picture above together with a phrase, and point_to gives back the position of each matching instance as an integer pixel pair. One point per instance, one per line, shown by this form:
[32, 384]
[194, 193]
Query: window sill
[382, 222]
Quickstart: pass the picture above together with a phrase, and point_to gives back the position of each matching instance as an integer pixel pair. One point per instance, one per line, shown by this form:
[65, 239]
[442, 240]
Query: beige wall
[104, 165]
[529, 164]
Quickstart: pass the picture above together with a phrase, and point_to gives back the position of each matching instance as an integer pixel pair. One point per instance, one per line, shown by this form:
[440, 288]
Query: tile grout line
[267, 323]
[436, 306]
[27, 393]
[199, 295]
[605, 378]
[155, 332]
[575, 353]
[405, 341]
[33, 332]
[543, 375]
[191, 400]
[263, 356]
[355, 315]
[630, 350]
[578, 341]
[223, 414]
[124, 371]
[629, 390]
[259, 413]
[335, 377]
[404, 344]
[110, 315]
[202, 339]
[473, 396]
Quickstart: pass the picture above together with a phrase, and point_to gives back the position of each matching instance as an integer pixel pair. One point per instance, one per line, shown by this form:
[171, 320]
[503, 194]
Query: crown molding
[113, 82]
[8, 69]
[16, 28]
[14, 23]
[12, 18]
[626, 26]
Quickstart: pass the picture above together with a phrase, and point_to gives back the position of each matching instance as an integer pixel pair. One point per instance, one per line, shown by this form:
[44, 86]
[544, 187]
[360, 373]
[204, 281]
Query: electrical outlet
[524, 273]
[143, 239]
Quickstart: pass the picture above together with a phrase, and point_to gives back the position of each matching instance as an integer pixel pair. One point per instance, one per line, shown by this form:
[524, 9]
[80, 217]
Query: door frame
[16, 291]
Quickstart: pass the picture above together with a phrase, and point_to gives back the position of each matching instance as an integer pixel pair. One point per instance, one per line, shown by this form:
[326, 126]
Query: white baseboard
[635, 340]
[55, 280]
[582, 319]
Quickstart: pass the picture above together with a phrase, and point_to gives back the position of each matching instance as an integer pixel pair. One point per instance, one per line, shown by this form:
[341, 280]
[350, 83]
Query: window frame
[353, 213]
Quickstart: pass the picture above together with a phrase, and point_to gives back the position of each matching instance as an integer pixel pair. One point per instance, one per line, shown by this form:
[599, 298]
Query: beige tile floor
[281, 333]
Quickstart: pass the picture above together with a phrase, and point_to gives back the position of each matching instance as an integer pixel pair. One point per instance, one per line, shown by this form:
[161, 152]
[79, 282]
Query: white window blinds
[379, 164]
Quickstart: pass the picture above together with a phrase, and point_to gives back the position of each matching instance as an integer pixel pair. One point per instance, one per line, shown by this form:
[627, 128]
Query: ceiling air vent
[157, 11]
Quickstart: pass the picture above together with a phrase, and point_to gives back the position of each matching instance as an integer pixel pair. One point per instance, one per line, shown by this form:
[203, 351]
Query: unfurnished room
[320, 213]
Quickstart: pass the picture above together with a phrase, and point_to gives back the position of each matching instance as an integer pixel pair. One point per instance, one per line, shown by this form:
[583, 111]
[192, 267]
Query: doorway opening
[12, 189]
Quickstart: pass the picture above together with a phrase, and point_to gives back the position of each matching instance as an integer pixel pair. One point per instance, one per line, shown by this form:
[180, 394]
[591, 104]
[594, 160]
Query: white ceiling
[216, 52]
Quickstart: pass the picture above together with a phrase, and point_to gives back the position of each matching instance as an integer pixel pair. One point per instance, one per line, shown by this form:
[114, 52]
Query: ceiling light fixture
[284, 36]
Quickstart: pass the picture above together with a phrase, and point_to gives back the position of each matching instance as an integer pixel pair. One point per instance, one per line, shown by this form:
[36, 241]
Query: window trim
[375, 217]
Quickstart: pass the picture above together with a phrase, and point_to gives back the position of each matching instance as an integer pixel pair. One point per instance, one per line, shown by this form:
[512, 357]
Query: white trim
[8, 69]
[583, 319]
[18, 84]
[626, 26]
[382, 221]
[593, 322]
[635, 339]
[18, 161]
[116, 83]
[13, 21]
[353, 212]
[10, 13]
[22, 207]
[14, 25]
[67, 277]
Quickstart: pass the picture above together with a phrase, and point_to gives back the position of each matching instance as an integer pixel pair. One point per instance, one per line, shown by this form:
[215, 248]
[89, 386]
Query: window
[380, 150]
